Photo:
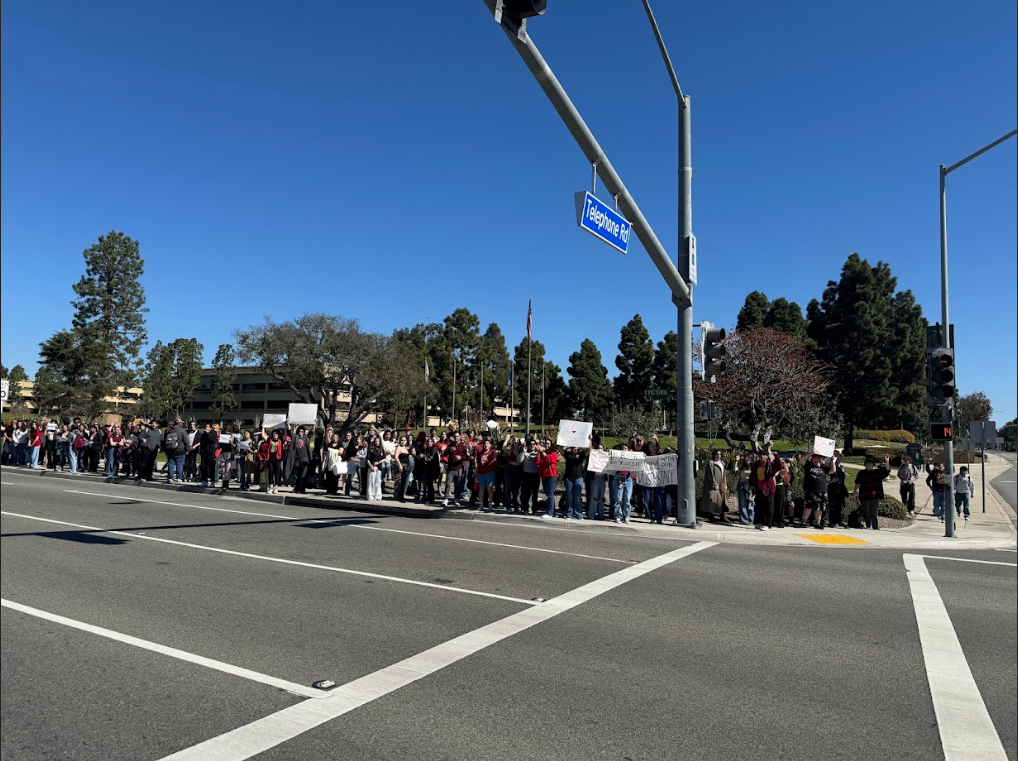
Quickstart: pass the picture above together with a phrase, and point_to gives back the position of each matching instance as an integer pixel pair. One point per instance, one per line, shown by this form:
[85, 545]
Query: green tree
[666, 363]
[404, 387]
[974, 406]
[454, 354]
[785, 316]
[908, 363]
[172, 375]
[224, 375]
[555, 404]
[62, 372]
[635, 363]
[109, 318]
[1009, 433]
[493, 356]
[536, 364]
[854, 329]
[590, 391]
[753, 311]
[16, 375]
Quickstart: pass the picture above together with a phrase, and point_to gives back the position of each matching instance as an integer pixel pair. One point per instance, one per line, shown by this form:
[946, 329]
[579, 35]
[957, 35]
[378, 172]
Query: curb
[668, 532]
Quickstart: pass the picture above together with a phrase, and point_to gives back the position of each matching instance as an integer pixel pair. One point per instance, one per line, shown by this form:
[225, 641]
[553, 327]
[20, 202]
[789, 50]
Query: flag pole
[544, 368]
[530, 341]
[454, 390]
[512, 398]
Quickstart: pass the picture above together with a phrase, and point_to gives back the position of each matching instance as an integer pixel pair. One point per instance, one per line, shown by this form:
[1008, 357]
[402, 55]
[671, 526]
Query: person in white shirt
[962, 492]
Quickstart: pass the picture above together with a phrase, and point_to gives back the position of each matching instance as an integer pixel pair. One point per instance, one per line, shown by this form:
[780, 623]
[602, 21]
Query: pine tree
[16, 375]
[493, 355]
[536, 363]
[908, 363]
[753, 311]
[223, 377]
[785, 316]
[109, 318]
[590, 391]
[666, 363]
[635, 364]
[173, 373]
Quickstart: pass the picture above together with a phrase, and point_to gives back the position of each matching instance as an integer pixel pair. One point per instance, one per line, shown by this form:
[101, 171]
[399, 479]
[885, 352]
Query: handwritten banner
[302, 414]
[823, 447]
[662, 470]
[614, 460]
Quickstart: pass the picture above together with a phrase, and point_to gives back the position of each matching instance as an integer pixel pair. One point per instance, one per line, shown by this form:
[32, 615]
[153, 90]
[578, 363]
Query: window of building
[254, 404]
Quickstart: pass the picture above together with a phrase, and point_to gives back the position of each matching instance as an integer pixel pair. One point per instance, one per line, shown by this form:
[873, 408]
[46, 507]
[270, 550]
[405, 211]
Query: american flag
[530, 319]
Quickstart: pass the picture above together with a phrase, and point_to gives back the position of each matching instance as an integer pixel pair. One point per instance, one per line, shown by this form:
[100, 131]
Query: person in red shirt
[547, 469]
[487, 461]
[34, 445]
[457, 455]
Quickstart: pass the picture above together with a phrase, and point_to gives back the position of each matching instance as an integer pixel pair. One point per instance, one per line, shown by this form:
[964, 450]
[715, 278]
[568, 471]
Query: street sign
[660, 393]
[5, 389]
[689, 255]
[602, 221]
[980, 428]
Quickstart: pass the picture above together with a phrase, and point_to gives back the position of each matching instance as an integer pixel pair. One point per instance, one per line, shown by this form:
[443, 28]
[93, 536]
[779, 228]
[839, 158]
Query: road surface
[143, 624]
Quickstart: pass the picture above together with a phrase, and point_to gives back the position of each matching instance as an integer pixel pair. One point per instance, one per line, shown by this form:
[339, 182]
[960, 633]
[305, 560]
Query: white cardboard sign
[660, 470]
[823, 447]
[273, 421]
[574, 433]
[302, 414]
[614, 460]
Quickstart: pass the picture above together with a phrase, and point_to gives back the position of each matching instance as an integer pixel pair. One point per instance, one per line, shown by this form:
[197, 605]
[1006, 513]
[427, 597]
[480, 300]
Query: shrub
[900, 437]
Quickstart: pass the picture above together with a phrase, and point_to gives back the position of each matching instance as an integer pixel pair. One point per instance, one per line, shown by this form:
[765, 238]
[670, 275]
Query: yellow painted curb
[832, 539]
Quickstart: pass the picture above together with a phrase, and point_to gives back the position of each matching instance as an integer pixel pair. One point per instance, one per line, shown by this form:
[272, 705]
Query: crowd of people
[480, 470]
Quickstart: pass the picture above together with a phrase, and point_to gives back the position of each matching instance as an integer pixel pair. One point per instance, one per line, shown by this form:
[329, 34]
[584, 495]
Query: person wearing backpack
[175, 446]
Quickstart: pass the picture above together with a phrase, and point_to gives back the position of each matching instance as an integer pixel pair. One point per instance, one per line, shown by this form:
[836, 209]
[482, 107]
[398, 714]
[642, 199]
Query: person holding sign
[622, 491]
[270, 454]
[547, 469]
[575, 468]
[815, 479]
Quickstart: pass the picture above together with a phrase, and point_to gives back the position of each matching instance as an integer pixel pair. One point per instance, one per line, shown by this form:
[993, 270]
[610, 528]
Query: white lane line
[268, 732]
[966, 729]
[1000, 550]
[969, 560]
[227, 668]
[285, 561]
[355, 525]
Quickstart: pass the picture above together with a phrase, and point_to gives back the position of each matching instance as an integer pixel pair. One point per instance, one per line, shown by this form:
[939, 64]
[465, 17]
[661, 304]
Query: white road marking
[966, 729]
[335, 569]
[1000, 550]
[353, 525]
[969, 560]
[228, 668]
[268, 732]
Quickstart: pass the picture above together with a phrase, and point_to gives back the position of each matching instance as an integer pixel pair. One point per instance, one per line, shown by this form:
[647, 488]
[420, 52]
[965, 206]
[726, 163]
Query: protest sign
[573, 433]
[302, 414]
[225, 438]
[273, 421]
[661, 470]
[345, 467]
[614, 460]
[51, 426]
[823, 447]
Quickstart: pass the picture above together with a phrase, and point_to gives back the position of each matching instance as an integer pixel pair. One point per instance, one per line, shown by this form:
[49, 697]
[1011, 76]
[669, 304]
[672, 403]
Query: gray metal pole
[685, 442]
[945, 341]
[982, 459]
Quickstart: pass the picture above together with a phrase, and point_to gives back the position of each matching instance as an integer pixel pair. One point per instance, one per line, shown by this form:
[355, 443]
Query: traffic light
[712, 350]
[941, 432]
[516, 11]
[940, 388]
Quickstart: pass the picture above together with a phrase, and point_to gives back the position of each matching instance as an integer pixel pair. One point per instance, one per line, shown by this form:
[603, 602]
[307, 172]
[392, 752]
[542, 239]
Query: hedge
[889, 507]
[901, 437]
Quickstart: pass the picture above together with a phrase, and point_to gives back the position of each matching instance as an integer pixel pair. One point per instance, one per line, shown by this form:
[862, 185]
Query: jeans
[191, 465]
[174, 466]
[908, 496]
[455, 482]
[112, 462]
[65, 455]
[961, 501]
[869, 512]
[938, 502]
[33, 457]
[574, 497]
[622, 495]
[654, 502]
[531, 487]
[512, 487]
[20, 454]
[548, 486]
[72, 455]
[746, 510]
[595, 498]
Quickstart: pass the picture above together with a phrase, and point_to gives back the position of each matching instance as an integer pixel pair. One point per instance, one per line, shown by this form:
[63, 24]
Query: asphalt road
[1004, 484]
[538, 642]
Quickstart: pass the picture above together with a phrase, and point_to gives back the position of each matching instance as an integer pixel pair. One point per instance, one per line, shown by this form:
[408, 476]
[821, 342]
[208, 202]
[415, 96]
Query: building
[120, 405]
[257, 394]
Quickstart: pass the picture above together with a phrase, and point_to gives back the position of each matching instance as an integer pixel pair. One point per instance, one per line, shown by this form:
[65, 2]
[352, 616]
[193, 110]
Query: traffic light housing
[712, 351]
[941, 432]
[940, 377]
[515, 12]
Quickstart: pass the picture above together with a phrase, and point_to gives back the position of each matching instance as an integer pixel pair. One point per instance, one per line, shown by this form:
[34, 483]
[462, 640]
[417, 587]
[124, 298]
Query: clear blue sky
[389, 164]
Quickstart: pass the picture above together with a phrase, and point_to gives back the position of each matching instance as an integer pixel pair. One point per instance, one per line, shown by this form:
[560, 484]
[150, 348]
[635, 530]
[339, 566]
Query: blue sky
[386, 163]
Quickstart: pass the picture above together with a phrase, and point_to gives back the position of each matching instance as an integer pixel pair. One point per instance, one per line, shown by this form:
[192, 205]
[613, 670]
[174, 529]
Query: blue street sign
[602, 221]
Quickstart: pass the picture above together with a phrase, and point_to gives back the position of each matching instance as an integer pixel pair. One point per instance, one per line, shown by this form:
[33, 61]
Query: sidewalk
[989, 530]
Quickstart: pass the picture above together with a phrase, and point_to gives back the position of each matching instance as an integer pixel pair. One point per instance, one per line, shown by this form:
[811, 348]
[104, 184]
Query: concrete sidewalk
[989, 530]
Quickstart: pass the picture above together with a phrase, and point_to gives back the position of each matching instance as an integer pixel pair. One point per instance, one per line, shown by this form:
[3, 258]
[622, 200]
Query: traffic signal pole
[945, 340]
[677, 284]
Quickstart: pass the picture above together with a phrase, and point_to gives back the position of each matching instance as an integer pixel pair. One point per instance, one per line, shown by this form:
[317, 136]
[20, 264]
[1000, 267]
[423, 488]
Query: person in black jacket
[300, 450]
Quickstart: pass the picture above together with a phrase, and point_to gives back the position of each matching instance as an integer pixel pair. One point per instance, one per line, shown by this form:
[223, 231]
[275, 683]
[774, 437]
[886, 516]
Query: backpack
[79, 442]
[173, 443]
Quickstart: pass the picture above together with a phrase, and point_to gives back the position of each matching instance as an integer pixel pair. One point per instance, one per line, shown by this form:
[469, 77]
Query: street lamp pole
[945, 333]
[685, 442]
